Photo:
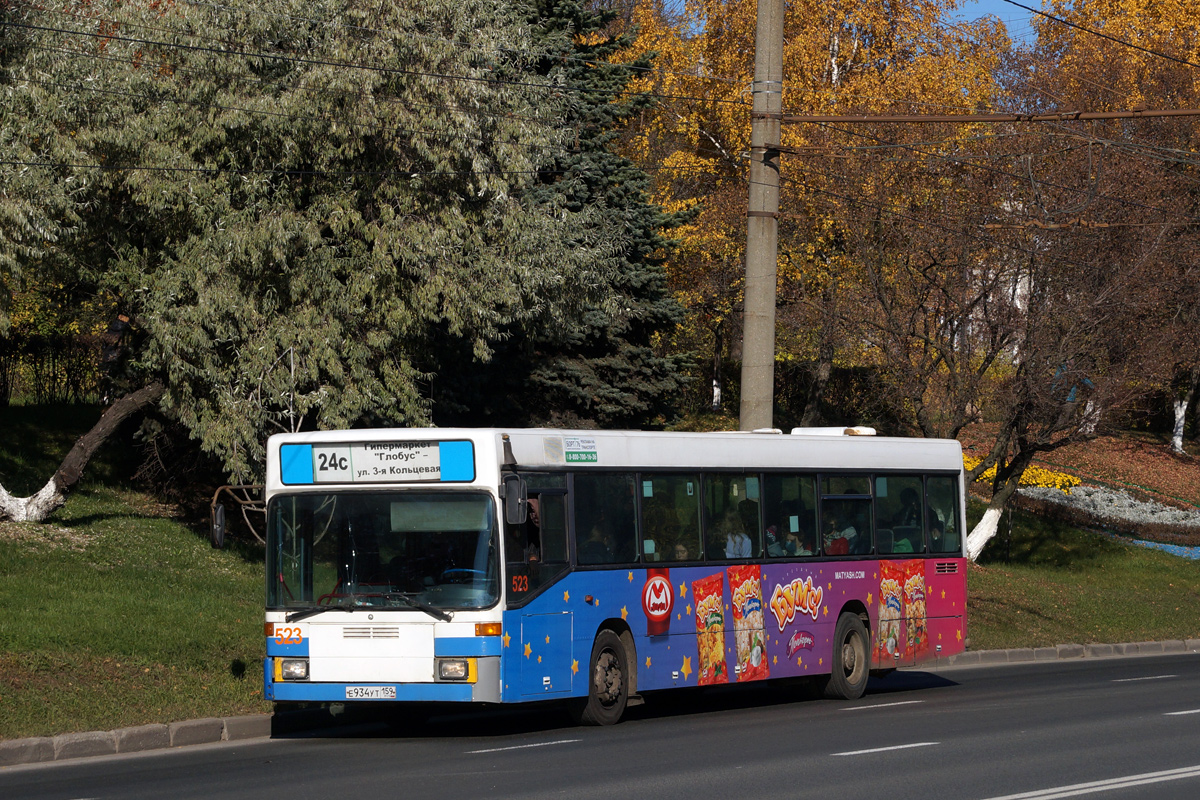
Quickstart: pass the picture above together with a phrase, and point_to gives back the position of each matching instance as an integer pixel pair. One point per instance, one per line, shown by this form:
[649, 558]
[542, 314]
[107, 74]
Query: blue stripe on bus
[458, 461]
[296, 463]
[286, 650]
[284, 691]
[467, 646]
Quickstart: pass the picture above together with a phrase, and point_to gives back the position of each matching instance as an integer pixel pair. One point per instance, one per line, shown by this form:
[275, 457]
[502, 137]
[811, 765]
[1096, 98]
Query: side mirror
[216, 532]
[516, 499]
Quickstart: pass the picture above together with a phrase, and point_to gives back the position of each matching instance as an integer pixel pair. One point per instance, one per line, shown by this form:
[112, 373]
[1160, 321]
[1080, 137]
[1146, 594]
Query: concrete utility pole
[762, 229]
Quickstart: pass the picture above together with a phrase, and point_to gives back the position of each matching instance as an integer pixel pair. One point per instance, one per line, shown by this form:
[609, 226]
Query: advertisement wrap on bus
[487, 566]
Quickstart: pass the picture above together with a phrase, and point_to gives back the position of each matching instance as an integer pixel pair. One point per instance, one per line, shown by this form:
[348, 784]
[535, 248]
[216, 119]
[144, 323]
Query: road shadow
[455, 721]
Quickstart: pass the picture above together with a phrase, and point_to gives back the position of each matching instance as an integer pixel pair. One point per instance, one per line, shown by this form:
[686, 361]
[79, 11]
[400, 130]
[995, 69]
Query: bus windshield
[432, 551]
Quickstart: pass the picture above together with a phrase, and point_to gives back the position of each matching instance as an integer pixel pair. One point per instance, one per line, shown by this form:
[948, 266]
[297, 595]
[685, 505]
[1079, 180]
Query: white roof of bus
[543, 447]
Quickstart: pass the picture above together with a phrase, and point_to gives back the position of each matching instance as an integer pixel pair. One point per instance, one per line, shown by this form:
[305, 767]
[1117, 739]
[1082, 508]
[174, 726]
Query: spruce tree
[600, 369]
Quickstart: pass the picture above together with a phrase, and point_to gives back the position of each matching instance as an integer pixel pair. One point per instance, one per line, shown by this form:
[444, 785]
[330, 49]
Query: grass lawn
[116, 617]
[115, 614]
[1050, 584]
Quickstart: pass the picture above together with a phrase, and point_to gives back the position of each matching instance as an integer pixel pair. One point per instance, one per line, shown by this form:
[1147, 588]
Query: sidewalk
[259, 726]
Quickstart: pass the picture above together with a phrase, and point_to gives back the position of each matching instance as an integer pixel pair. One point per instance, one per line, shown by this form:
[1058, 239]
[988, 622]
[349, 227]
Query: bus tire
[608, 682]
[851, 660]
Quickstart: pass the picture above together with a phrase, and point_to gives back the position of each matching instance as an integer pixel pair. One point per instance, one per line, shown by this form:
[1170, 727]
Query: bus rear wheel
[608, 683]
[851, 662]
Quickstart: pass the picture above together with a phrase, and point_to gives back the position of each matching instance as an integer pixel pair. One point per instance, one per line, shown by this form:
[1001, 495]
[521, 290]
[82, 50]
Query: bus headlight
[293, 669]
[455, 669]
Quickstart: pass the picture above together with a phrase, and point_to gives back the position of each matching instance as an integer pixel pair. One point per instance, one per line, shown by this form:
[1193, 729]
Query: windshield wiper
[312, 612]
[412, 602]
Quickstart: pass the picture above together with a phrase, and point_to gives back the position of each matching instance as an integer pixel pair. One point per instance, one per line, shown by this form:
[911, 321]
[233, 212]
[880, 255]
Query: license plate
[370, 692]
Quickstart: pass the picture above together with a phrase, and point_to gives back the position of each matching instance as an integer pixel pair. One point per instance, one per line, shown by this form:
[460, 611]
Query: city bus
[453, 565]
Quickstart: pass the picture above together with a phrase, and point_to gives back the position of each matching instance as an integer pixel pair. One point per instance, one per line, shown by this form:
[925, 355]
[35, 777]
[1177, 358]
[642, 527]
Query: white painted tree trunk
[1181, 405]
[982, 533]
[1181, 409]
[35, 508]
[40, 506]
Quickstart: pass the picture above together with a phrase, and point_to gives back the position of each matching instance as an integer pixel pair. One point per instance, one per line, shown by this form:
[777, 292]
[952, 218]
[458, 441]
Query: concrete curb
[1067, 651]
[260, 726]
[134, 740]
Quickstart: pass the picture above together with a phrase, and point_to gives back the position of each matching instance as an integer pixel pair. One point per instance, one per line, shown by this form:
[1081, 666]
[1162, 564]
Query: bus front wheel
[851, 661]
[608, 683]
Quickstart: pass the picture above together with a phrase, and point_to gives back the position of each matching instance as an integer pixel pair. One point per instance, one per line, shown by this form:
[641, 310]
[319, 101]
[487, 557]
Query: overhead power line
[1062, 21]
[1056, 116]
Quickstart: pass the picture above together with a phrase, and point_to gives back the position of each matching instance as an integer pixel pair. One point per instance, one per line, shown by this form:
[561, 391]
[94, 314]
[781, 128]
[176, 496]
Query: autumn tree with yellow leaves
[846, 57]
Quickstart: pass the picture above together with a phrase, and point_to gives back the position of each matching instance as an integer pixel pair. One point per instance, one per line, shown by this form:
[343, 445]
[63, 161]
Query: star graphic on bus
[566, 597]
[528, 649]
[575, 667]
[624, 612]
[683, 590]
[506, 639]
[647, 661]
[686, 669]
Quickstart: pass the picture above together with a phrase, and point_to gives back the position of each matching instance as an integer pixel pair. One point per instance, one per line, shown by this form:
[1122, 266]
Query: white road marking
[1181, 713]
[884, 705]
[1104, 786]
[522, 746]
[1147, 678]
[886, 749]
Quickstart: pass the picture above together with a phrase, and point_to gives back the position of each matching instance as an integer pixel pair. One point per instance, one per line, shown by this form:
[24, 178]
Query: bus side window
[899, 514]
[553, 533]
[791, 515]
[605, 518]
[942, 522]
[846, 526]
[671, 517]
[732, 516]
[536, 552]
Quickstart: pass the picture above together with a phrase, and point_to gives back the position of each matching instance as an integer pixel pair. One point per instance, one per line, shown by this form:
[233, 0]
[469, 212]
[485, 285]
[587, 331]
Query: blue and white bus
[511, 566]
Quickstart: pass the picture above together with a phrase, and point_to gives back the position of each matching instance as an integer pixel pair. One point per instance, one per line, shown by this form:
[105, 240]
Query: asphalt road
[1117, 728]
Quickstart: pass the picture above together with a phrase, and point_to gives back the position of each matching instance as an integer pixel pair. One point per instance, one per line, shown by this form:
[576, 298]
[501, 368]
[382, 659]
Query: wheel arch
[621, 628]
[857, 607]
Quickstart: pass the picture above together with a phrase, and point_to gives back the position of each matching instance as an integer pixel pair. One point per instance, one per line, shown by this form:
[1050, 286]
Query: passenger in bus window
[523, 541]
[533, 532]
[793, 546]
[775, 544]
[939, 540]
[681, 552]
[839, 535]
[909, 512]
[737, 542]
[598, 549]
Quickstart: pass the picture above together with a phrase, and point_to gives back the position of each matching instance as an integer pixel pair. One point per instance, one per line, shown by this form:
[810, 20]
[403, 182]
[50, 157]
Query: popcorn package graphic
[891, 643]
[916, 626]
[709, 595]
[745, 586]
